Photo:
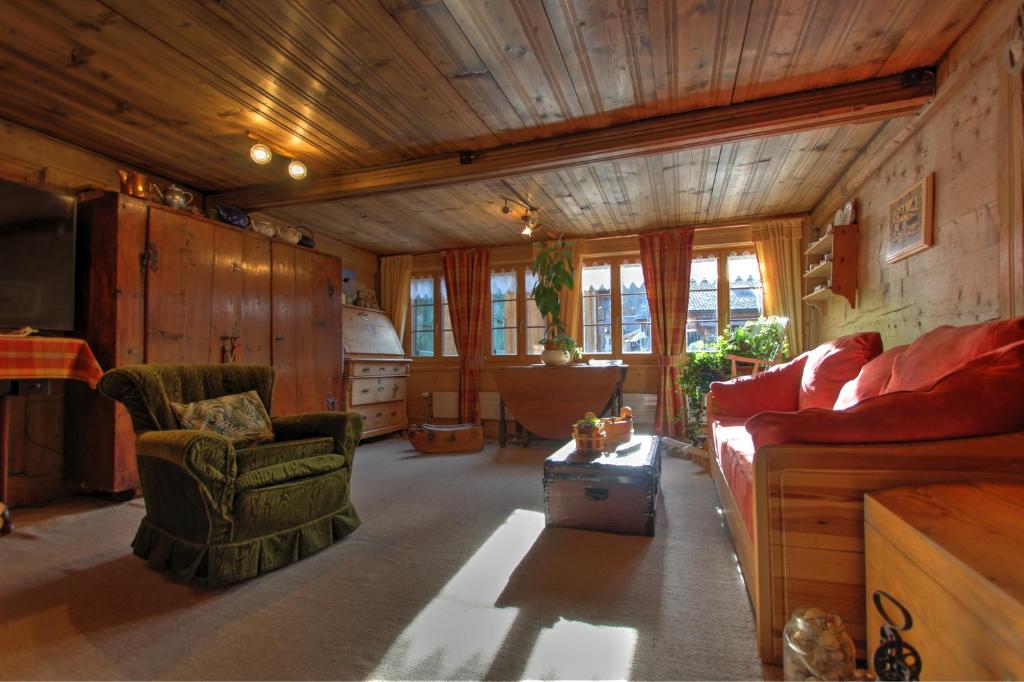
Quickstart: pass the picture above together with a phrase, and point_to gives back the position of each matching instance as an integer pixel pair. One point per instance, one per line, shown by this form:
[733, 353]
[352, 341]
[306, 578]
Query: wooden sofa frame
[807, 547]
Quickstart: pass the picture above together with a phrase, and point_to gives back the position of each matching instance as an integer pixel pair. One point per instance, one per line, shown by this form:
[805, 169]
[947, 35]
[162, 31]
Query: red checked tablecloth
[41, 357]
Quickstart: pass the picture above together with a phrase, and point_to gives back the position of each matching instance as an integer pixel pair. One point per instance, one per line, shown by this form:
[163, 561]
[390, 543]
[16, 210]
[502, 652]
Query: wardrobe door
[179, 281]
[318, 334]
[240, 298]
[283, 328]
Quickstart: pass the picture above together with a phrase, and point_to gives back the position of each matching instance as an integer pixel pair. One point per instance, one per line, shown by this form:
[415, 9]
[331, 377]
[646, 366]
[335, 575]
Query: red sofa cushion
[774, 389]
[735, 453]
[832, 364]
[980, 398]
[945, 348]
[870, 381]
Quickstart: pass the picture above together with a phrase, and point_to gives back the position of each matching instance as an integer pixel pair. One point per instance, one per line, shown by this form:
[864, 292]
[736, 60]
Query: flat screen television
[37, 258]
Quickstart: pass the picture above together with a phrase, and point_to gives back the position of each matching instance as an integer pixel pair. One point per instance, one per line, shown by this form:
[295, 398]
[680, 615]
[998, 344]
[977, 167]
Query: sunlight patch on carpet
[580, 651]
[460, 632]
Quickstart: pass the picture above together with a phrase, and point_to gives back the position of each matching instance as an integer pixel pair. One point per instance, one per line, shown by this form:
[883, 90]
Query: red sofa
[798, 445]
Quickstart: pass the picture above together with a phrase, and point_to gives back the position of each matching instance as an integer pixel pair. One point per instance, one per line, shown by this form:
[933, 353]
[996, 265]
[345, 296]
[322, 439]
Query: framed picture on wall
[910, 221]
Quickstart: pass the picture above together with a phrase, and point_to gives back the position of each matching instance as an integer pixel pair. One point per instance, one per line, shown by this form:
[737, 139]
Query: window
[702, 316]
[534, 321]
[725, 292]
[421, 293]
[745, 295]
[503, 313]
[447, 337]
[636, 314]
[597, 308]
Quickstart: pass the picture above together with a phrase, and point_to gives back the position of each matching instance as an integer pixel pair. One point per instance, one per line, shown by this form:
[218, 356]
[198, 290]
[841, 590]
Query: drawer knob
[365, 390]
[366, 370]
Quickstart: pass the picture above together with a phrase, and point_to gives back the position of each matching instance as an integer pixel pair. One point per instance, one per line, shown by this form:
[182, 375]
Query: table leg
[502, 425]
[6, 525]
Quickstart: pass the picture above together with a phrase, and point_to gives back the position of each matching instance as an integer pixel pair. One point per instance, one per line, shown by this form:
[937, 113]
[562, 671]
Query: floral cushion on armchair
[240, 417]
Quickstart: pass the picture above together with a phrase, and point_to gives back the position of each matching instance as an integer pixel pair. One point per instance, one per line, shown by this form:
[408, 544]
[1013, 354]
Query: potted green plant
[764, 339]
[554, 271]
[589, 434]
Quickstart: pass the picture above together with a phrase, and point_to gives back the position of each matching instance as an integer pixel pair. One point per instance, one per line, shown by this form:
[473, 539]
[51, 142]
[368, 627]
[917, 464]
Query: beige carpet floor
[452, 575]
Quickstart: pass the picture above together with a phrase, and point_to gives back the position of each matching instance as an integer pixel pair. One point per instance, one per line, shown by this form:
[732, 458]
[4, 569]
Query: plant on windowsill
[554, 271]
[763, 338]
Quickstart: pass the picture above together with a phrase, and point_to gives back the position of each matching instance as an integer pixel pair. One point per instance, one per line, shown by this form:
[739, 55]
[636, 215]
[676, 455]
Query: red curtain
[467, 278]
[665, 257]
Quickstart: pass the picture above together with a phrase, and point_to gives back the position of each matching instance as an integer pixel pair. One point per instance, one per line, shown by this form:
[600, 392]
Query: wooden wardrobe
[159, 285]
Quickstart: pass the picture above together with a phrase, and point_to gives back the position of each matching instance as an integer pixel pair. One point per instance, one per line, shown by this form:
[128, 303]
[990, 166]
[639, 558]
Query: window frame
[724, 285]
[520, 308]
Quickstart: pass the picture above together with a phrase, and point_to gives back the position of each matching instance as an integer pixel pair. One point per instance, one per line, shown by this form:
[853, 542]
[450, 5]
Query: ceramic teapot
[174, 196]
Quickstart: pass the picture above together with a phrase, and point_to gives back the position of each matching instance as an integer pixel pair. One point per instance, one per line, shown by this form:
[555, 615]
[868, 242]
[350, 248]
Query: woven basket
[619, 429]
[589, 442]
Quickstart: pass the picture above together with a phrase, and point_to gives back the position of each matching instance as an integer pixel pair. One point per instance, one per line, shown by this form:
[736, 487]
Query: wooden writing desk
[547, 401]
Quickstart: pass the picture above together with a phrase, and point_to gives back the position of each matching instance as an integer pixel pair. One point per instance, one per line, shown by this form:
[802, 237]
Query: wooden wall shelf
[839, 272]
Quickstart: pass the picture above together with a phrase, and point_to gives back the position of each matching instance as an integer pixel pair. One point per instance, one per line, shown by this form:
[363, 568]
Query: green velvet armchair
[216, 514]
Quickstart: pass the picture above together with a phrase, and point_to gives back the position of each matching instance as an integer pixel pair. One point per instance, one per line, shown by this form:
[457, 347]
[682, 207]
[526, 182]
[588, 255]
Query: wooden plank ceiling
[174, 86]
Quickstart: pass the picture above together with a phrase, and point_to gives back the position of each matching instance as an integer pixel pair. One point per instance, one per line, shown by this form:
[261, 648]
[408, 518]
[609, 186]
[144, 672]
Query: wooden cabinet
[950, 554]
[306, 330]
[165, 286]
[376, 373]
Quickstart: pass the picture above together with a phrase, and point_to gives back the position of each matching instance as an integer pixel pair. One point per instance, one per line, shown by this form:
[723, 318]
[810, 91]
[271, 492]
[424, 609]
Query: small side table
[25, 358]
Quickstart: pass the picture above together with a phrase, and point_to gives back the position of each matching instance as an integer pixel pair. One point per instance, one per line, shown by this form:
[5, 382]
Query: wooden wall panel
[961, 137]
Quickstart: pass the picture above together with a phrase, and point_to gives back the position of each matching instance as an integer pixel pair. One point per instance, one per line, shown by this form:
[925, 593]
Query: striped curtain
[467, 279]
[665, 257]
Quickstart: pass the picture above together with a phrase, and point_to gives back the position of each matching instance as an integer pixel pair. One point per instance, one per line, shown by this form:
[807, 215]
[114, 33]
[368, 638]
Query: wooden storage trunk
[951, 555]
[615, 492]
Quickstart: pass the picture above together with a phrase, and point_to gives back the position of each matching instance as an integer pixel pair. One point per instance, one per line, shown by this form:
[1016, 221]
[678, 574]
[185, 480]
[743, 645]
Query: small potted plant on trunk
[589, 434]
[554, 271]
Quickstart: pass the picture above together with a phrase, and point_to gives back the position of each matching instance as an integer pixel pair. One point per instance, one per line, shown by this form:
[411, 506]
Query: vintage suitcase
[435, 439]
[615, 492]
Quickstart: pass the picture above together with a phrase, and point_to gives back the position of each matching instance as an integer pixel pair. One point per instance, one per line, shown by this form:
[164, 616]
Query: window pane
[447, 337]
[534, 321]
[702, 320]
[636, 314]
[597, 309]
[745, 296]
[503, 313]
[421, 295]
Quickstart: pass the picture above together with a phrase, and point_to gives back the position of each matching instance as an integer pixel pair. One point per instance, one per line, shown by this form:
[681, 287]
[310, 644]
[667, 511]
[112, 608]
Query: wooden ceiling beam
[864, 101]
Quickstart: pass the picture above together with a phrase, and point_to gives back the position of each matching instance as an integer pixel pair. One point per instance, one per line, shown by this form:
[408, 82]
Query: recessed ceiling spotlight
[297, 170]
[261, 154]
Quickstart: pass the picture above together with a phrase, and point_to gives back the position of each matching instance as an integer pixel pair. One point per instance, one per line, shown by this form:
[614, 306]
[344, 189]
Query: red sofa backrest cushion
[979, 398]
[870, 381]
[832, 364]
[946, 348]
[774, 389]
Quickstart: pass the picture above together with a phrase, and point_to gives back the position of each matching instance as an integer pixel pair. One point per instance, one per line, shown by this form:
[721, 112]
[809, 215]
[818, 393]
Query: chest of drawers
[376, 371]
